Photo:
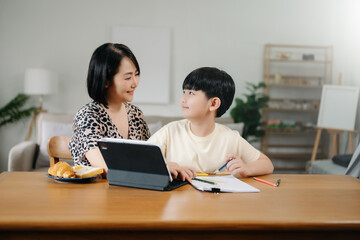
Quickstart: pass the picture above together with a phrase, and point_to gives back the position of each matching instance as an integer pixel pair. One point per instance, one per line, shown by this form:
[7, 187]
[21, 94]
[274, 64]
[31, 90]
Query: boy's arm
[239, 168]
[261, 166]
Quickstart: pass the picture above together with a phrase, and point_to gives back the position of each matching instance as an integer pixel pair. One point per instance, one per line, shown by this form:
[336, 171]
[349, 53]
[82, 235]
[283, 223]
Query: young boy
[197, 143]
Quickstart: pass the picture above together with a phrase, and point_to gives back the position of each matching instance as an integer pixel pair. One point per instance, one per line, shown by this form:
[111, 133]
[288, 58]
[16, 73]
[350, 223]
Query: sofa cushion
[325, 167]
[236, 126]
[153, 127]
[50, 129]
[342, 160]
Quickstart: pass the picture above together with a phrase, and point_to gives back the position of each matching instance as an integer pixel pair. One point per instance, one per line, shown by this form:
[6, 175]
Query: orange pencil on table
[268, 183]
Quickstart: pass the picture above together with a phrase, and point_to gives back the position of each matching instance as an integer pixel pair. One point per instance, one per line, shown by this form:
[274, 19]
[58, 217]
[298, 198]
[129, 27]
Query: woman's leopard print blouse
[92, 123]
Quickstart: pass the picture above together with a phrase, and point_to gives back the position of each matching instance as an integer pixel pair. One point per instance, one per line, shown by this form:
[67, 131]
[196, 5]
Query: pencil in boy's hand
[217, 171]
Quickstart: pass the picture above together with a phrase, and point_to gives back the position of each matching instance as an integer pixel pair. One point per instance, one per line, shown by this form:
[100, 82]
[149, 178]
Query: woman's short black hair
[215, 83]
[103, 66]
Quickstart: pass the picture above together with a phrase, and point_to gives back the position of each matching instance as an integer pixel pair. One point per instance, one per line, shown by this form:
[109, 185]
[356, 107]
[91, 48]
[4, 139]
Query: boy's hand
[237, 167]
[183, 173]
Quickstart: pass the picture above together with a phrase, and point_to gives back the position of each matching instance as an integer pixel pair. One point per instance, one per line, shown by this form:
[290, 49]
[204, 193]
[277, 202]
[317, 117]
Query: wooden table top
[31, 200]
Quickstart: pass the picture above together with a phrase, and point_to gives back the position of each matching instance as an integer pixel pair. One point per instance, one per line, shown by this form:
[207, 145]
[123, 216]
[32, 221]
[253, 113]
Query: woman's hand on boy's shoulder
[237, 167]
[179, 172]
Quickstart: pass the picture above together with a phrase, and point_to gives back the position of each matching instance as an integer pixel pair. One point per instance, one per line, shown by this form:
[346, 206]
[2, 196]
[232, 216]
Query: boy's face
[194, 104]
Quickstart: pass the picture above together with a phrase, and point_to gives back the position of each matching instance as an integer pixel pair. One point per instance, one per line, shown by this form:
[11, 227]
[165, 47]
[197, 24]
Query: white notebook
[227, 183]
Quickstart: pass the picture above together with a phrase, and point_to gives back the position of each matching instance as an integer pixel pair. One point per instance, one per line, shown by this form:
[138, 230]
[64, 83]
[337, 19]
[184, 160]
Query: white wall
[230, 34]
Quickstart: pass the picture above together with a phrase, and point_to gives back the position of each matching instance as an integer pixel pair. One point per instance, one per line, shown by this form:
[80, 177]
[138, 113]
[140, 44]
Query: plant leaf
[12, 111]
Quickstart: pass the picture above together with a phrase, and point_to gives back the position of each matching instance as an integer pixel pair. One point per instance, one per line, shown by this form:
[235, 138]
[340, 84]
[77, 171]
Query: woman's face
[124, 83]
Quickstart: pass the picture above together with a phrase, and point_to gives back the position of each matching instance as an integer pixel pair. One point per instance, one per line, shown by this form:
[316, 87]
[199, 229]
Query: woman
[112, 79]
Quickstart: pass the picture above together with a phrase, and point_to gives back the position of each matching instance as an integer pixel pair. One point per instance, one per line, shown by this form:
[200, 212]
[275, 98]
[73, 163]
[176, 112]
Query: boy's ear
[215, 104]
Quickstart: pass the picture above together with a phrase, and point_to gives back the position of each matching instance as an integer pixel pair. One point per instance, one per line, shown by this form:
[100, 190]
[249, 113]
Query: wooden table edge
[184, 226]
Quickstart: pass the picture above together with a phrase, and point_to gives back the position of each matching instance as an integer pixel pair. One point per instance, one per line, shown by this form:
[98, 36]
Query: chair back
[47, 122]
[58, 148]
[354, 166]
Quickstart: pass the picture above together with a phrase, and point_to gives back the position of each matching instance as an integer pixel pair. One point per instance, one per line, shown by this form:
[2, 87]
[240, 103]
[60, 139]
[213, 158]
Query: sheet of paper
[224, 183]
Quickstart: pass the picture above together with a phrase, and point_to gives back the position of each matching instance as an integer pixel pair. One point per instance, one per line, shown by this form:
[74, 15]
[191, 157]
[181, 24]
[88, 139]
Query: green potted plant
[12, 111]
[248, 111]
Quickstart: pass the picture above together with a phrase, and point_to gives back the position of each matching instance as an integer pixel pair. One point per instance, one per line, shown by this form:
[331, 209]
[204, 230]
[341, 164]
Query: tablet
[135, 163]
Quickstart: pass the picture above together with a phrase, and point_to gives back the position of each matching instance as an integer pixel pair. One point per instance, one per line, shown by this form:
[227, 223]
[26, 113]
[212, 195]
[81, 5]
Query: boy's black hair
[215, 83]
[104, 64]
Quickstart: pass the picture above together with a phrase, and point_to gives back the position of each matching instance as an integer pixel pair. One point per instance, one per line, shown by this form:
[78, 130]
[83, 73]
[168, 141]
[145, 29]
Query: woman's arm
[96, 159]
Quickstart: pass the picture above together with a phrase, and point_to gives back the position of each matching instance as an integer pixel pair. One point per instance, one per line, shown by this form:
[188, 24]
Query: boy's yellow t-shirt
[205, 154]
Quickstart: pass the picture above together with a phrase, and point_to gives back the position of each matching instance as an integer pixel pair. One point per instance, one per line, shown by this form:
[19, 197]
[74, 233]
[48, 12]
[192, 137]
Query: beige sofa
[33, 156]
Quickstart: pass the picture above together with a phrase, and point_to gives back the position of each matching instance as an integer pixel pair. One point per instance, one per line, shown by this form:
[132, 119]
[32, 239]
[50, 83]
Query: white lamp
[40, 82]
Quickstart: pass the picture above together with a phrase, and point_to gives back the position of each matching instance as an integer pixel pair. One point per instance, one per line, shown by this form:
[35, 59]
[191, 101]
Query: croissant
[62, 169]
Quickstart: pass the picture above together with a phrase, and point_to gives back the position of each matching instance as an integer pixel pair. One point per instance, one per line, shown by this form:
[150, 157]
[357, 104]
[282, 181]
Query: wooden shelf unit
[292, 104]
[294, 85]
[291, 131]
[296, 61]
[291, 109]
[287, 74]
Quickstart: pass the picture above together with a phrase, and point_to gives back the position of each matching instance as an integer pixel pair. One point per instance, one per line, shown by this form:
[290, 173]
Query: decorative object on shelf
[39, 82]
[294, 104]
[289, 81]
[283, 55]
[296, 81]
[274, 124]
[12, 111]
[248, 111]
[308, 57]
[289, 125]
[278, 78]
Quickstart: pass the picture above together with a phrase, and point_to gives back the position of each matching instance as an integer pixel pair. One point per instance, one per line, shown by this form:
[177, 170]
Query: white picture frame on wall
[151, 47]
[338, 107]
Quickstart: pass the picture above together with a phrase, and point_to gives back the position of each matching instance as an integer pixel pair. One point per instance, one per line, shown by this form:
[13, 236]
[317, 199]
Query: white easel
[337, 114]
